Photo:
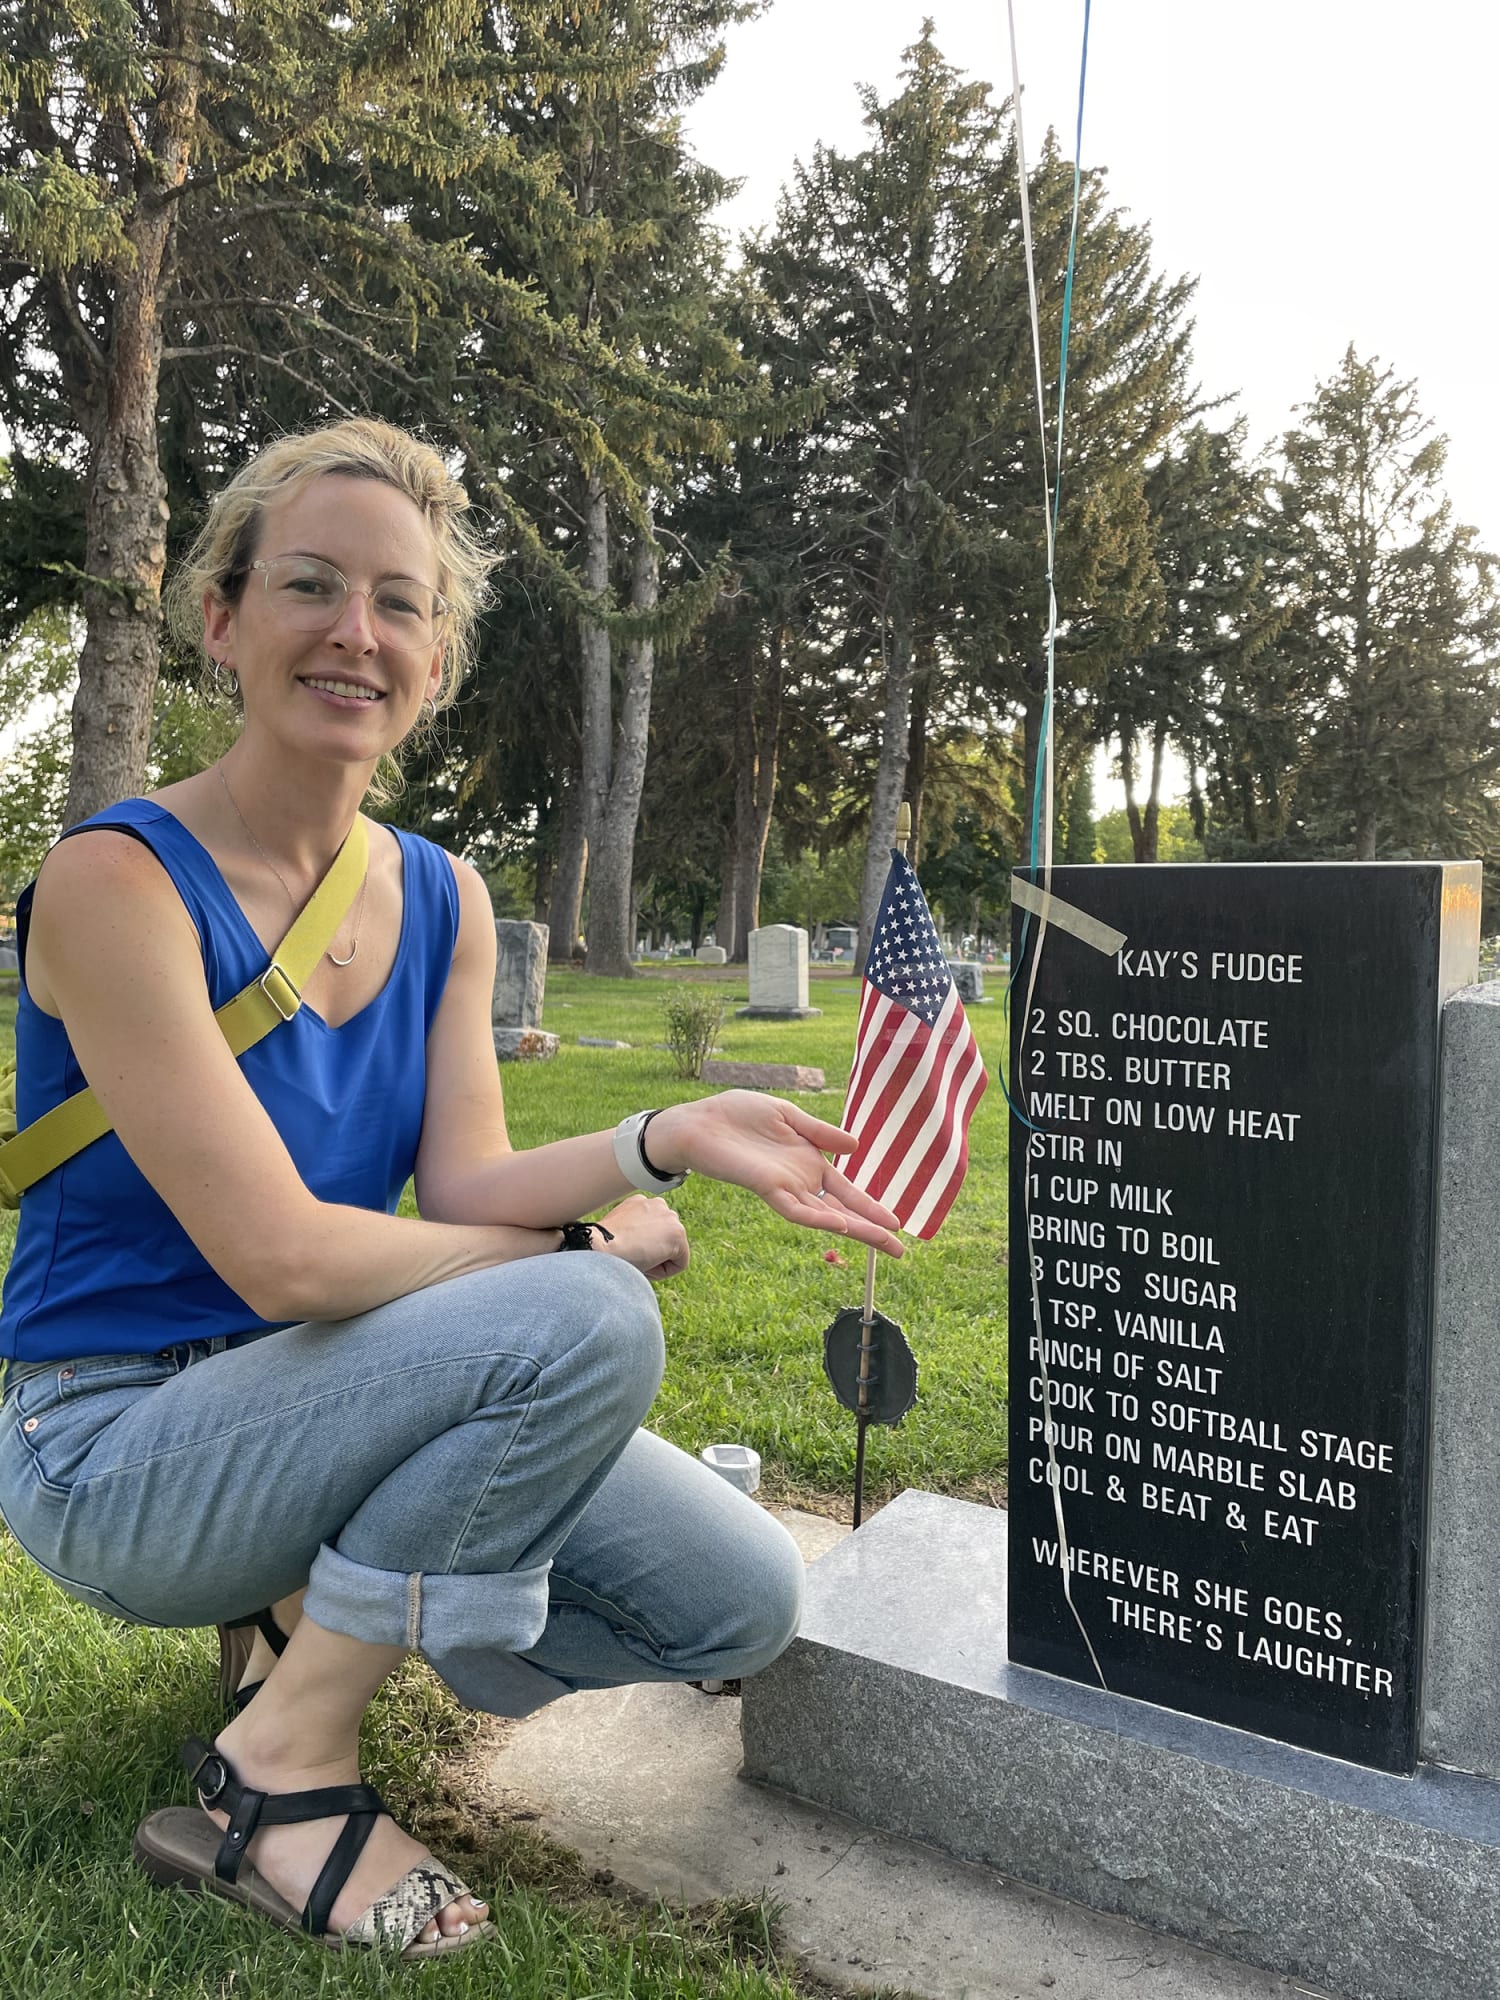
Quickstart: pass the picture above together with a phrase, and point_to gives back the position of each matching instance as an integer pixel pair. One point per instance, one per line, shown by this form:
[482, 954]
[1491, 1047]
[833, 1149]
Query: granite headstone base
[897, 1705]
[763, 1076]
[525, 1044]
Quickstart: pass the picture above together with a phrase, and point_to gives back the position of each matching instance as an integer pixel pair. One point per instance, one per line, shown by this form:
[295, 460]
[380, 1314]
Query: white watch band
[630, 1157]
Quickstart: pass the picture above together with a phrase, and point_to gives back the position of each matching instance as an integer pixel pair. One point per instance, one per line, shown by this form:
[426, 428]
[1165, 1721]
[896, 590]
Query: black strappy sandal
[181, 1847]
[236, 1643]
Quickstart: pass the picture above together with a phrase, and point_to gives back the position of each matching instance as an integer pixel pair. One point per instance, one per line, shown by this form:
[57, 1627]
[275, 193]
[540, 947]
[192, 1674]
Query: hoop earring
[429, 709]
[224, 675]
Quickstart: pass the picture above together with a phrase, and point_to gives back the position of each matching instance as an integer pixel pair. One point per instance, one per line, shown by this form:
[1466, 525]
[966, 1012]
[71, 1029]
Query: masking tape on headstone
[1052, 910]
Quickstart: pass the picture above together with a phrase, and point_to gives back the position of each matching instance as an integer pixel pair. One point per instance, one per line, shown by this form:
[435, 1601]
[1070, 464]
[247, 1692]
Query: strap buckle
[211, 1779]
[282, 994]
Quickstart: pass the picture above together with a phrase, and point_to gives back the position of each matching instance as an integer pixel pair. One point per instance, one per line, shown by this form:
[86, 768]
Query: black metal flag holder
[869, 1364]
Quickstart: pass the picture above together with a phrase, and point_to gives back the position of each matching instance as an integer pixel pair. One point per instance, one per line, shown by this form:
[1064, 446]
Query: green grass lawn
[91, 1714]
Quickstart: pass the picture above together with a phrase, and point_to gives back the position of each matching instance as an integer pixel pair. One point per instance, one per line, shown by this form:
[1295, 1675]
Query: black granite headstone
[1228, 1200]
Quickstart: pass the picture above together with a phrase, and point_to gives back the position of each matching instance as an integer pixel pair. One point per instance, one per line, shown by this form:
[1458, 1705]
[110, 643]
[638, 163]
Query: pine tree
[217, 220]
[896, 277]
[1217, 613]
[640, 275]
[1372, 725]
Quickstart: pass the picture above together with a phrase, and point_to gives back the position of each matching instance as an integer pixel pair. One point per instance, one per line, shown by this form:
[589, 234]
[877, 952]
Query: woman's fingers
[827, 1138]
[814, 1212]
[838, 1187]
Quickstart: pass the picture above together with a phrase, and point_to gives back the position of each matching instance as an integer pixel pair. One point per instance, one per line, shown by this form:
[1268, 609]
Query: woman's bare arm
[467, 1172]
[125, 971]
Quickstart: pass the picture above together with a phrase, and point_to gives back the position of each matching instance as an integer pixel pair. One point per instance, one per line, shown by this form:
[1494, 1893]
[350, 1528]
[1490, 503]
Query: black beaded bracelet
[580, 1235]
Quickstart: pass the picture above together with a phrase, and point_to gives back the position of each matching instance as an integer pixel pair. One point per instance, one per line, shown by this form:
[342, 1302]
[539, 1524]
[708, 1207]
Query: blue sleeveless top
[101, 1265]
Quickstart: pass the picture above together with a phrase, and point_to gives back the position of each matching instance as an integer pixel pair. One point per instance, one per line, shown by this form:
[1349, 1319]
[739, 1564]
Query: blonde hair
[358, 448]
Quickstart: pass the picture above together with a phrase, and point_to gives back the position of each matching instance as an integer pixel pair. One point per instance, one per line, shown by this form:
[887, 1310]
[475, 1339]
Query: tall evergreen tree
[641, 274]
[217, 220]
[897, 276]
[1218, 612]
[1372, 726]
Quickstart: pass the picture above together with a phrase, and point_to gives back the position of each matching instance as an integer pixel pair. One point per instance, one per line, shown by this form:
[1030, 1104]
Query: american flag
[918, 1073]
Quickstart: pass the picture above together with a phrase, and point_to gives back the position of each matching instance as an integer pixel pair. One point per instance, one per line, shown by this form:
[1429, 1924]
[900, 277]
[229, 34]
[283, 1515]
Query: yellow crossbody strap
[264, 1004]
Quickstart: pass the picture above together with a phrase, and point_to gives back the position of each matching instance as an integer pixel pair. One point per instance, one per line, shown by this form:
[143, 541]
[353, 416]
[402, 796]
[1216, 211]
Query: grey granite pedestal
[897, 1705]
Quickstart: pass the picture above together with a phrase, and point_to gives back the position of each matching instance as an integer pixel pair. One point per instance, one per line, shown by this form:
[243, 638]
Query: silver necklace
[359, 908]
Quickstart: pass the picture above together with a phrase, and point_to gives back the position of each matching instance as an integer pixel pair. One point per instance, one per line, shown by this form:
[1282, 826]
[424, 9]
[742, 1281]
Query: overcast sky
[1323, 167]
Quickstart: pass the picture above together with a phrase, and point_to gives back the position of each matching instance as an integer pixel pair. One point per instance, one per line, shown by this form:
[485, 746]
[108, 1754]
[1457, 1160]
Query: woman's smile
[341, 693]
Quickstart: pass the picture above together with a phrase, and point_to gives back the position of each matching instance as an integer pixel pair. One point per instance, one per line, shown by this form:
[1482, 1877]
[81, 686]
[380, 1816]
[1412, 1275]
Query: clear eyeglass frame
[396, 604]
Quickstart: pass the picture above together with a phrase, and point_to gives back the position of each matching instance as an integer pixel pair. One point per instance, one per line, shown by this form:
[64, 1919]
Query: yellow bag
[25, 1157]
[8, 1198]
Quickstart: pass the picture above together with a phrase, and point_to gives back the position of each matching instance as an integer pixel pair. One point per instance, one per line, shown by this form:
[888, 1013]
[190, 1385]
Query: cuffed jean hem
[466, 1625]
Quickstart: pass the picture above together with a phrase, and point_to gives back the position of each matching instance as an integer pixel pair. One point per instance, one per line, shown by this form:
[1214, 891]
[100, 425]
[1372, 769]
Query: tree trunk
[742, 730]
[565, 909]
[726, 918]
[1132, 804]
[541, 894]
[594, 663]
[1366, 826]
[1147, 848]
[757, 745]
[890, 778]
[916, 762]
[126, 507]
[611, 945]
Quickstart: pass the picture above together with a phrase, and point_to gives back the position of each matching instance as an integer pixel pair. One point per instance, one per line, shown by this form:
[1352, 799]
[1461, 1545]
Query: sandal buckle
[212, 1793]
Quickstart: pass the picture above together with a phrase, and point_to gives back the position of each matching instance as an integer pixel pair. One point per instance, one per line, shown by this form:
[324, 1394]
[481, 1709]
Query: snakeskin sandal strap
[394, 1921]
[400, 1916]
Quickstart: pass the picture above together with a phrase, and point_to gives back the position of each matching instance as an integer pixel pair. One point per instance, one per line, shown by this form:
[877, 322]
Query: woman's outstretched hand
[775, 1149]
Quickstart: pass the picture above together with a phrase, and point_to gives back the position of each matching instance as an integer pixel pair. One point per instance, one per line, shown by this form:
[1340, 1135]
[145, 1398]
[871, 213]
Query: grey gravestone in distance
[968, 977]
[1229, 1197]
[778, 975]
[516, 1001]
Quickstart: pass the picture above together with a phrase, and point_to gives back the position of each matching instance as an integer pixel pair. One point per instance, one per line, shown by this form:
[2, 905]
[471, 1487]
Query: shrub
[695, 1015]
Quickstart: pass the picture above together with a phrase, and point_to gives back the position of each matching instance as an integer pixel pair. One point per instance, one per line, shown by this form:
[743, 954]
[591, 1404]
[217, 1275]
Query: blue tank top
[101, 1265]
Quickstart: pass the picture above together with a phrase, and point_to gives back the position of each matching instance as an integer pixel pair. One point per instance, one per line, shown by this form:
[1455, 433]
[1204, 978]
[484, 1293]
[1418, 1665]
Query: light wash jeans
[460, 1472]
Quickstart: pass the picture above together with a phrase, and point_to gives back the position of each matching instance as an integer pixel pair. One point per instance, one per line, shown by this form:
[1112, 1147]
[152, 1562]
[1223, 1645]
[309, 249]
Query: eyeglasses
[309, 595]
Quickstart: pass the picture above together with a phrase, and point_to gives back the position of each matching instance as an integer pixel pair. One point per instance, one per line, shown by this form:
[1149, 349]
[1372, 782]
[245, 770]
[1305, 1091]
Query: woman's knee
[761, 1622]
[780, 1606]
[618, 1327]
[581, 1312]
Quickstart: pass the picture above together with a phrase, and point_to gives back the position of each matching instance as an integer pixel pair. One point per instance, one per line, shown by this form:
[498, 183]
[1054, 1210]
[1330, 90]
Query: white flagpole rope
[1042, 788]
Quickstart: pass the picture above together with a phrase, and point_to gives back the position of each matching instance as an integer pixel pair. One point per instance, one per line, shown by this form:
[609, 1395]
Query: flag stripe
[914, 1152]
[918, 1157]
[884, 1096]
[893, 1030]
[948, 1174]
[901, 1112]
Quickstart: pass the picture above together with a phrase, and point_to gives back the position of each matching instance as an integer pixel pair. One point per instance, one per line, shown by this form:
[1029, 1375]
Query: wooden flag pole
[867, 1323]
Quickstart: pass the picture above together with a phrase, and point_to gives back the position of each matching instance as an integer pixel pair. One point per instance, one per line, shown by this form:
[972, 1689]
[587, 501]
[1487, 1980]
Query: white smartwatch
[630, 1156]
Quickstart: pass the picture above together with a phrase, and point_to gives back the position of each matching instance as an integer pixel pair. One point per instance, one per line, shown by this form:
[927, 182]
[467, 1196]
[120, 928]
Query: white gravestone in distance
[778, 974]
[712, 954]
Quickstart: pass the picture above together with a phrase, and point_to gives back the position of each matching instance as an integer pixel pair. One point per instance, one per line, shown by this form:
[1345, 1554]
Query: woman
[237, 1378]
